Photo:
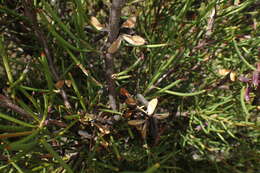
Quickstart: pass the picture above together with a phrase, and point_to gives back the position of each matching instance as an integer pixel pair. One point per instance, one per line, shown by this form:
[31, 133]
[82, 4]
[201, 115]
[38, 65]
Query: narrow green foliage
[9, 128]
[47, 72]
[153, 168]
[200, 59]
[56, 156]
[6, 61]
[81, 99]
[242, 58]
[16, 121]
[22, 146]
[17, 167]
[58, 20]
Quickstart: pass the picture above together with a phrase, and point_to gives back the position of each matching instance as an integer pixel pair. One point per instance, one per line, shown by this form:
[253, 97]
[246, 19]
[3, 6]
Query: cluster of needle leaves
[182, 75]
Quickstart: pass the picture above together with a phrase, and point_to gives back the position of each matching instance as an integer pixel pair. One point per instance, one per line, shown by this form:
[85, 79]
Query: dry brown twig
[7, 103]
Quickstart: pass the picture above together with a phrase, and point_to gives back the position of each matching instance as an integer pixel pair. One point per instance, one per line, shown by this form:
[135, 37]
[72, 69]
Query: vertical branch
[114, 18]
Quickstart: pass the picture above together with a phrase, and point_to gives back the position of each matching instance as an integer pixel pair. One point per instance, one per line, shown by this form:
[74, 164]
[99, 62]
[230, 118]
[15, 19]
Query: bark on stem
[114, 18]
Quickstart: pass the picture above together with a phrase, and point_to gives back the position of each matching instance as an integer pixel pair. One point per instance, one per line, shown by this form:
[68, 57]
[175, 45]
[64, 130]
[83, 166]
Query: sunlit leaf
[94, 21]
[134, 39]
[115, 45]
[151, 106]
[129, 23]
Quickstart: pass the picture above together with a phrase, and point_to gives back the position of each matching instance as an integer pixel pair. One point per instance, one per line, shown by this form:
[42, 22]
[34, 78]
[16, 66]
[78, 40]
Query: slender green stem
[80, 97]
[181, 94]
[14, 120]
[6, 61]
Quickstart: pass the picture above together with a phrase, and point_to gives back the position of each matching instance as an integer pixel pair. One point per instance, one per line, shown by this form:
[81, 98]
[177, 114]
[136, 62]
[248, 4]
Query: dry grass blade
[162, 116]
[135, 122]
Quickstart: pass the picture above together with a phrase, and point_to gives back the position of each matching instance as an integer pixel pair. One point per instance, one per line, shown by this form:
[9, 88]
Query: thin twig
[31, 14]
[114, 18]
[7, 103]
